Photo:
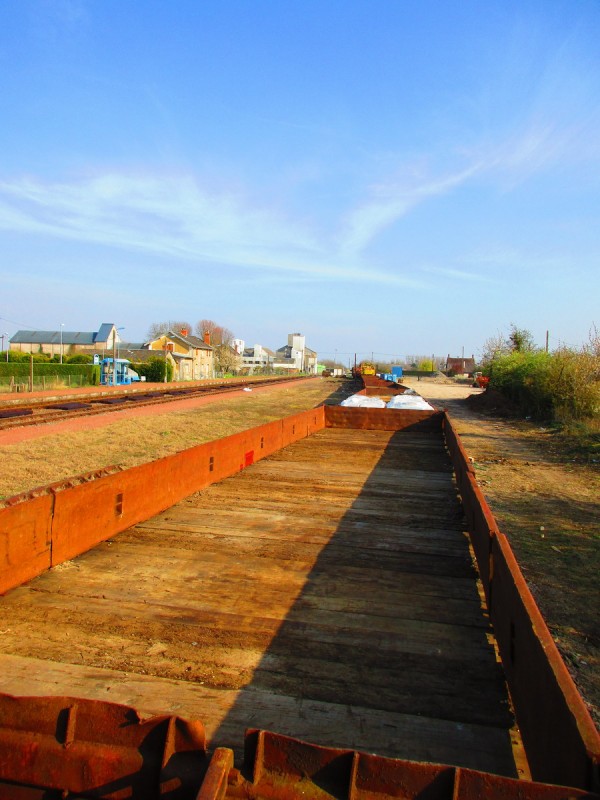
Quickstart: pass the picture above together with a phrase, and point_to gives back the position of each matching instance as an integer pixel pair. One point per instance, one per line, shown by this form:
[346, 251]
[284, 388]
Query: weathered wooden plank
[227, 713]
[327, 592]
[91, 615]
[229, 527]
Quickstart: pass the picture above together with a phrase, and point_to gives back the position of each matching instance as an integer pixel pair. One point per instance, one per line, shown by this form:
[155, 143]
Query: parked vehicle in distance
[480, 380]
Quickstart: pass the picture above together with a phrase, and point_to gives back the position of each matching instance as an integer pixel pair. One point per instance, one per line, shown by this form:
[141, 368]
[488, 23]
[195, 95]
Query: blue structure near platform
[121, 376]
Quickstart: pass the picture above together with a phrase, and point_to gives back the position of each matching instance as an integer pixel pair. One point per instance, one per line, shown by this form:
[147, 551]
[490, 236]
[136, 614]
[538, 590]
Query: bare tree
[494, 347]
[158, 328]
[221, 338]
[218, 333]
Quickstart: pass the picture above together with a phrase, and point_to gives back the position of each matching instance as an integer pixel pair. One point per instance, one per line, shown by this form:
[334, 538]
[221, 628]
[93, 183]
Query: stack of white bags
[362, 401]
[411, 401]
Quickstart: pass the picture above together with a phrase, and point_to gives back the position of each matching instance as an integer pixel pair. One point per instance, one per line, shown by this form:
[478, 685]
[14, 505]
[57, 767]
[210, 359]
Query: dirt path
[549, 509]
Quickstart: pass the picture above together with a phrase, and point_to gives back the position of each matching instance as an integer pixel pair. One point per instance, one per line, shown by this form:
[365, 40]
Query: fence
[37, 376]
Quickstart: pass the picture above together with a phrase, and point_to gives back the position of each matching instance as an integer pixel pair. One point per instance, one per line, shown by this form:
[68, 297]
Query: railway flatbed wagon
[321, 606]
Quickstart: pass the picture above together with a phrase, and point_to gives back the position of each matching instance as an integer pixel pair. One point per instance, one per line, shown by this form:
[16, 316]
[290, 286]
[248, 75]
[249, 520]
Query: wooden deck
[327, 592]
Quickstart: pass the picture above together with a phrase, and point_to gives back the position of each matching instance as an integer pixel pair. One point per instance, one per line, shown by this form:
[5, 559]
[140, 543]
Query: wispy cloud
[540, 145]
[173, 217]
[549, 114]
[458, 274]
[390, 202]
[508, 258]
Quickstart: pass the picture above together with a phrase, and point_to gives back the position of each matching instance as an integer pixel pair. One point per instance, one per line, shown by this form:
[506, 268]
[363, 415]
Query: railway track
[45, 412]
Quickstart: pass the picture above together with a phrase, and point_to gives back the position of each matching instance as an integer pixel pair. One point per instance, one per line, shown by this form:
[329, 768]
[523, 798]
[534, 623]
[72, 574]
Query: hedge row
[153, 369]
[85, 373]
[563, 386]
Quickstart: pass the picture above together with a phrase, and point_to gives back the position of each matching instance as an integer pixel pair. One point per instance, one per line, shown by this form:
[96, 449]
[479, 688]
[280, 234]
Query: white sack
[414, 402]
[361, 401]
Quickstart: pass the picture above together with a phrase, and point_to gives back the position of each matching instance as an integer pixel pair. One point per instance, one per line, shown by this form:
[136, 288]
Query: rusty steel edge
[284, 768]
[561, 740]
[92, 748]
[61, 746]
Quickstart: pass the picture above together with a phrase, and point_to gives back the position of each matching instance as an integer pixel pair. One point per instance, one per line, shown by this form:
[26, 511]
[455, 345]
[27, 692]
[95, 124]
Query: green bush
[15, 357]
[575, 382]
[154, 369]
[522, 377]
[79, 358]
[561, 386]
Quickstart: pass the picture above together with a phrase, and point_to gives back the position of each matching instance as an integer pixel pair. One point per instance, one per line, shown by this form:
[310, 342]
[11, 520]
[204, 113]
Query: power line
[355, 352]
[20, 324]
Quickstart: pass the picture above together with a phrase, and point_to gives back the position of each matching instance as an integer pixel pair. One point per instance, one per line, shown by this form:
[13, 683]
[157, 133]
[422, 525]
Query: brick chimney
[206, 337]
[184, 331]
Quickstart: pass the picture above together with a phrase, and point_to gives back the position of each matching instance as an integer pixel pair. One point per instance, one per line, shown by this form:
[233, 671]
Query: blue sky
[387, 176]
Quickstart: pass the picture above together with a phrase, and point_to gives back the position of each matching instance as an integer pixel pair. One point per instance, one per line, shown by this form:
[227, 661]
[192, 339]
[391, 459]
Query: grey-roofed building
[257, 357]
[192, 356]
[62, 342]
[295, 355]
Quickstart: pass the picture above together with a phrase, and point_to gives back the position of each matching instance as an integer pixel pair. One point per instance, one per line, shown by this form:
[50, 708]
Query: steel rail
[41, 413]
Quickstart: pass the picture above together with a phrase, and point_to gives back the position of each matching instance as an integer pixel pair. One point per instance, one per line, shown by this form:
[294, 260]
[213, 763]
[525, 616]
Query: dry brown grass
[128, 442]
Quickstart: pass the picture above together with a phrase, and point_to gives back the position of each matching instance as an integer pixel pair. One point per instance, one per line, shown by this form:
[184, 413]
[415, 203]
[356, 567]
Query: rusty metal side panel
[482, 529]
[382, 419]
[301, 425]
[480, 520]
[561, 740]
[25, 533]
[96, 749]
[462, 464]
[279, 767]
[61, 521]
[87, 514]
[385, 390]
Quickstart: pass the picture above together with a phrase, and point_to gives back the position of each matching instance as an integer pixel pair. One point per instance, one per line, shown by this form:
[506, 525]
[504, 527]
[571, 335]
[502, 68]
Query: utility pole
[114, 380]
[547, 339]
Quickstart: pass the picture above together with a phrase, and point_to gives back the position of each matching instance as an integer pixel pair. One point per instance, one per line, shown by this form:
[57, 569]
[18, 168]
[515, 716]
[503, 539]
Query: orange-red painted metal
[93, 749]
[382, 419]
[25, 539]
[63, 747]
[282, 768]
[68, 518]
[561, 741]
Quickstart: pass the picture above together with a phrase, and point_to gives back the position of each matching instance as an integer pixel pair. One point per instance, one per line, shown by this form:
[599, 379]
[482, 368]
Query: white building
[257, 357]
[295, 355]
